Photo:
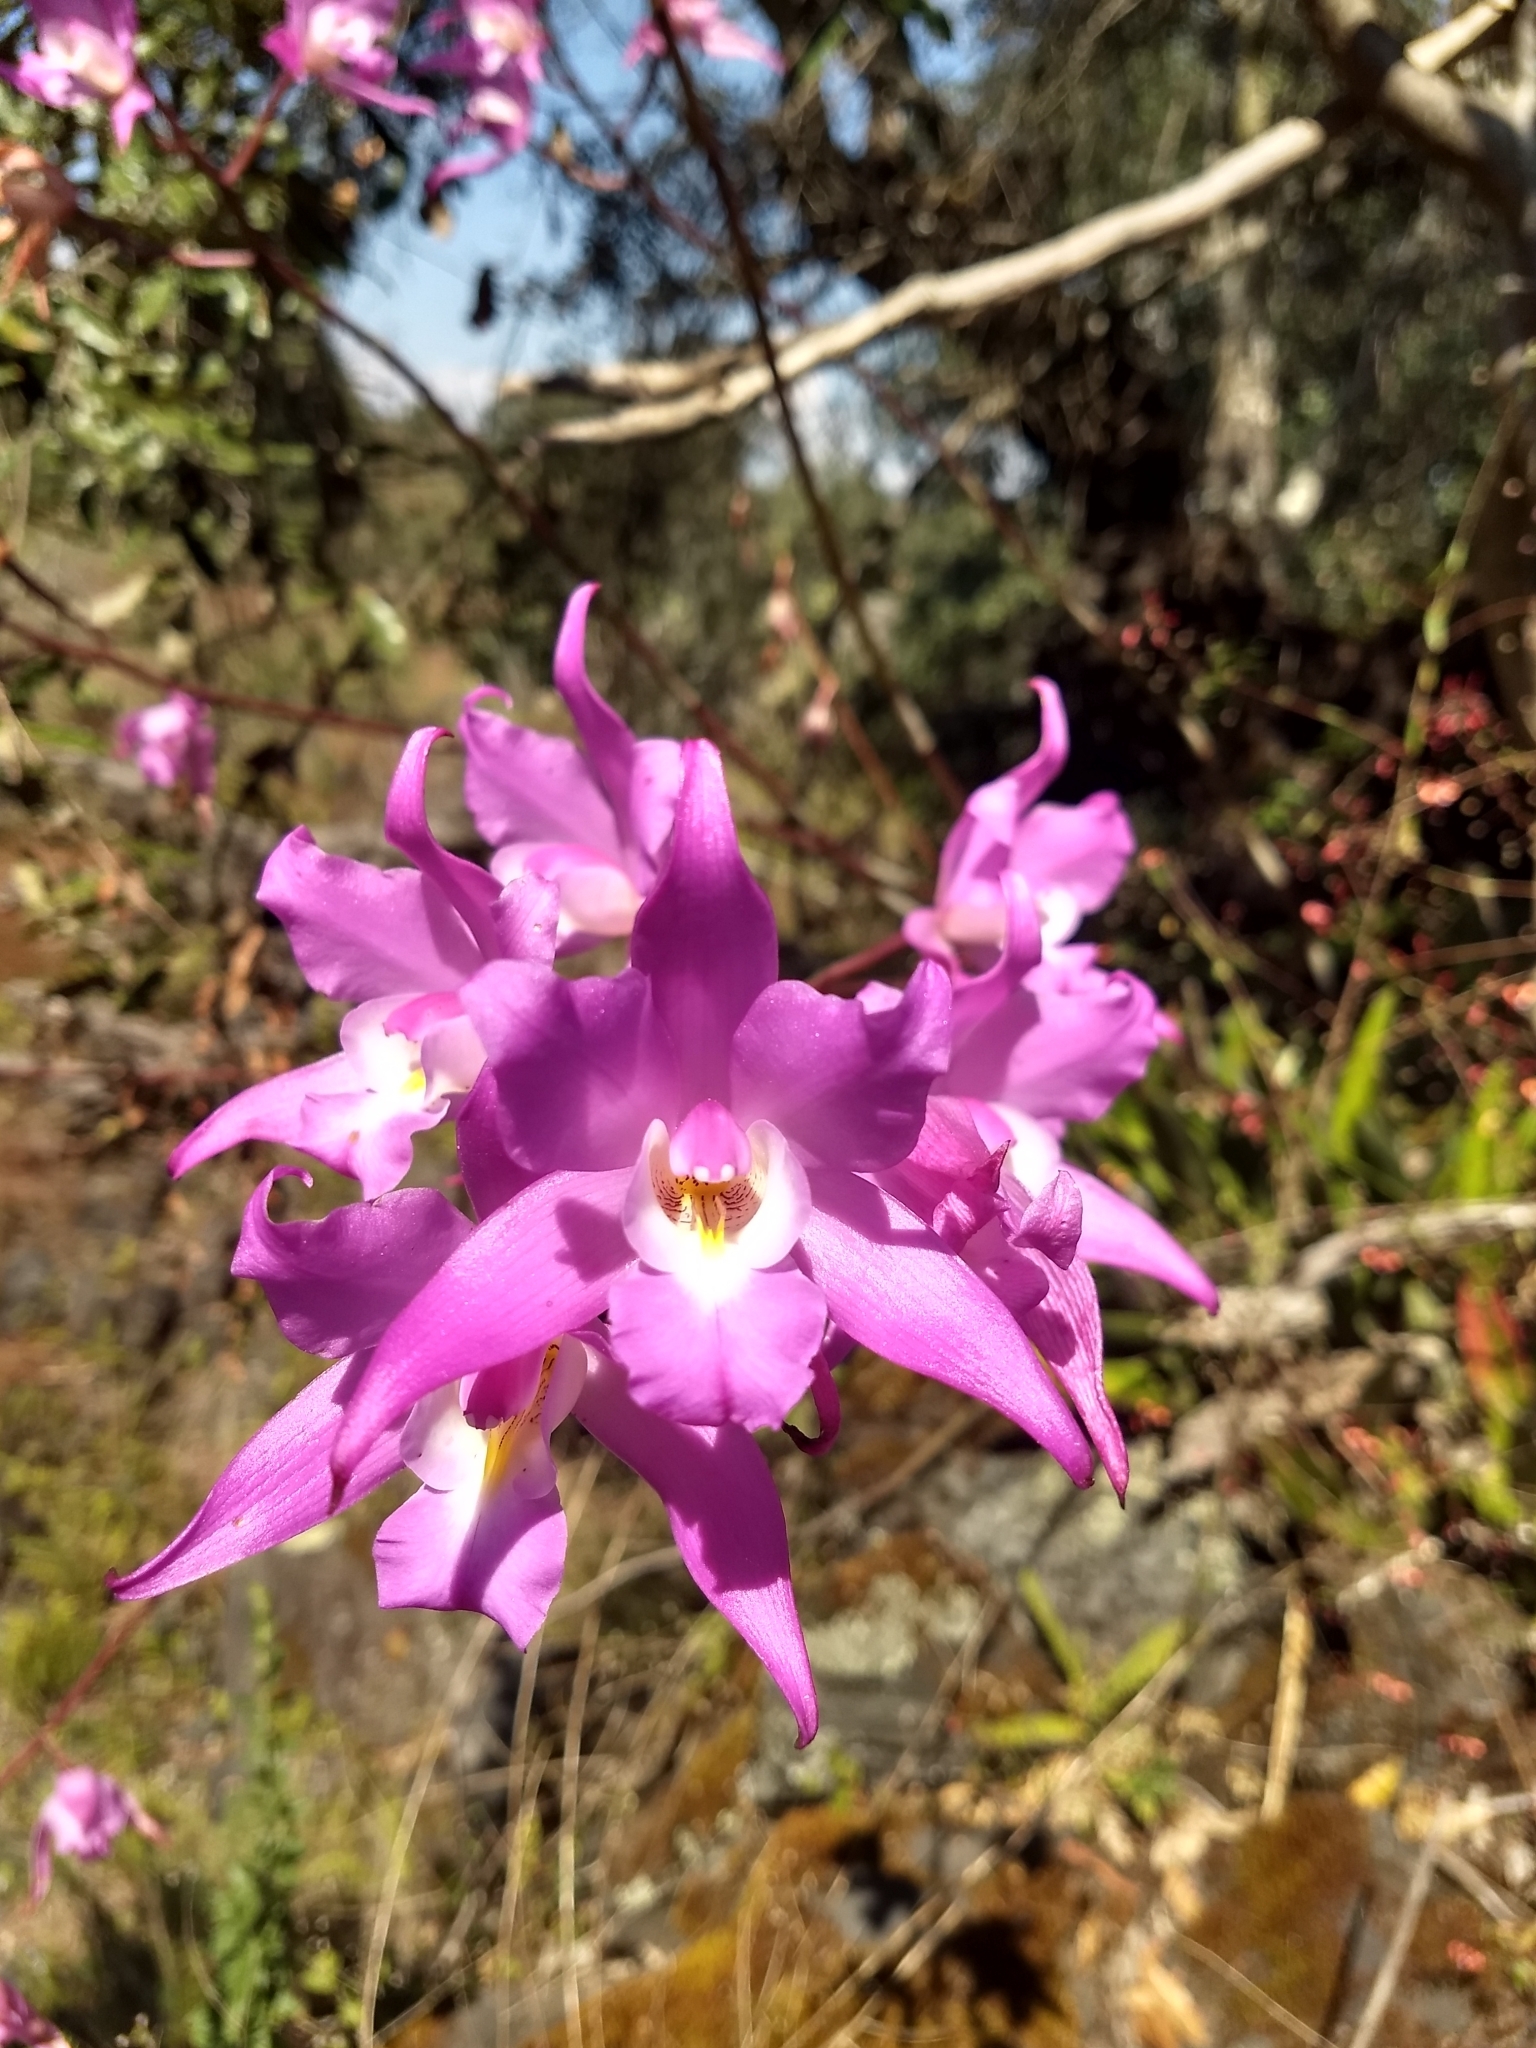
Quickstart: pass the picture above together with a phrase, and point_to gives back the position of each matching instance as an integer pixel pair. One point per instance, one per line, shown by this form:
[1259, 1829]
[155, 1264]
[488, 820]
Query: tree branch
[719, 390]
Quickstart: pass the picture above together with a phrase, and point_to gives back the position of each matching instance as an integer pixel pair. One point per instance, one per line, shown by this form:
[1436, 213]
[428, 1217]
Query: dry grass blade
[1249, 1989]
[570, 1775]
[458, 1690]
[1385, 1986]
[1290, 1706]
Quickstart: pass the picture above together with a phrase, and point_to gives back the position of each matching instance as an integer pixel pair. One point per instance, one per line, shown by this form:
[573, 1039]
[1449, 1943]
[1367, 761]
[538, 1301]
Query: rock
[1257, 1319]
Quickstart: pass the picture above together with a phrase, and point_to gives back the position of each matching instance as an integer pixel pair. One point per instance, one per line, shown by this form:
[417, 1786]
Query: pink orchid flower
[702, 24]
[696, 1136]
[400, 943]
[592, 816]
[1071, 856]
[83, 1816]
[497, 48]
[339, 43]
[22, 2025]
[84, 52]
[485, 1532]
[171, 743]
[1053, 1038]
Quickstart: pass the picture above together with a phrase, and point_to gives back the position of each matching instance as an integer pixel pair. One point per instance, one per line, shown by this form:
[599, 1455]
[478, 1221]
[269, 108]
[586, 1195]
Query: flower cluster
[695, 1185]
[489, 51]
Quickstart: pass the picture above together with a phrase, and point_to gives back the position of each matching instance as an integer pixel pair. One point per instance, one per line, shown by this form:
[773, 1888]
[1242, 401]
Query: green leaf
[1137, 1668]
[1361, 1079]
[1054, 1633]
[1032, 1731]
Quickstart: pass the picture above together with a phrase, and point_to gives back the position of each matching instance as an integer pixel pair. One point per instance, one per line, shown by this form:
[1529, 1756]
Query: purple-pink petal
[745, 1358]
[279, 1485]
[1069, 1332]
[582, 1066]
[706, 934]
[1076, 850]
[467, 889]
[274, 1110]
[359, 931]
[1116, 1232]
[523, 786]
[891, 1284]
[847, 1084]
[335, 1285]
[491, 1175]
[534, 1269]
[727, 1520]
[477, 1550]
[1064, 1044]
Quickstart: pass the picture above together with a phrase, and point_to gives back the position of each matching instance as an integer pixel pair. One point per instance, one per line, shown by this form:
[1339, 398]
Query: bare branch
[1429, 111]
[717, 392]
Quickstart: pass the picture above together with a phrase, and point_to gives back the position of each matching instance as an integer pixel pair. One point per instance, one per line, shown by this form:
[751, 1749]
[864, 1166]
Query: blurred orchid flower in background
[703, 24]
[400, 943]
[485, 1531]
[83, 1816]
[84, 52]
[591, 815]
[171, 743]
[339, 43]
[1071, 856]
[497, 48]
[22, 2025]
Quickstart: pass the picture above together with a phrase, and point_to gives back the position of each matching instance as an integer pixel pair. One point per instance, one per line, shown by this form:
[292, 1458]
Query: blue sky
[415, 288]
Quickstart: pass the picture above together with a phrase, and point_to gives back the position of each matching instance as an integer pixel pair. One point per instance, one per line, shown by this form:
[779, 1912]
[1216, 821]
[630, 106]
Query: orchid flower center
[505, 1442]
[715, 1201]
[708, 1181]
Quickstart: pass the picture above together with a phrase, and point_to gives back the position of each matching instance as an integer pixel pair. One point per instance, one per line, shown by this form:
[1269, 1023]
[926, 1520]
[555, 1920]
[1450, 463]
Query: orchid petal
[359, 931]
[524, 785]
[846, 1083]
[277, 1487]
[1116, 1232]
[609, 743]
[468, 889]
[274, 1110]
[1064, 1044]
[487, 1550]
[705, 935]
[491, 1175]
[337, 1284]
[1068, 1330]
[539, 1266]
[726, 1518]
[977, 996]
[1076, 851]
[742, 1354]
[582, 1066]
[892, 1285]
[978, 844]
[950, 1177]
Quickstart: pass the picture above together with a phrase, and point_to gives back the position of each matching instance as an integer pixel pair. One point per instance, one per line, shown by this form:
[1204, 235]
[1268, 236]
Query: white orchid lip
[445, 1450]
[736, 1209]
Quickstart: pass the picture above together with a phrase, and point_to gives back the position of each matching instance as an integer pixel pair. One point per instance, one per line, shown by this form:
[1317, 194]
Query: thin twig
[116, 1638]
[1290, 1706]
[458, 1688]
[908, 712]
[105, 655]
[512, 1883]
[1385, 1986]
[1249, 1989]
